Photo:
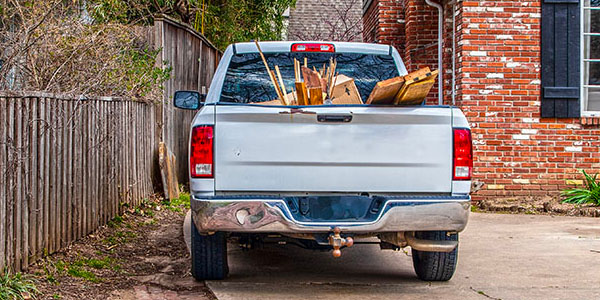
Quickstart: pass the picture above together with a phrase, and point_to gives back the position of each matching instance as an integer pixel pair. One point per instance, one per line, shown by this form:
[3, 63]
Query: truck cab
[323, 176]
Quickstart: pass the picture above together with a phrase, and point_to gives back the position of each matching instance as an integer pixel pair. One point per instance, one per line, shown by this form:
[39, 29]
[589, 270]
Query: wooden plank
[52, 158]
[10, 185]
[39, 177]
[84, 168]
[58, 117]
[200, 69]
[385, 91]
[80, 206]
[285, 99]
[26, 181]
[33, 178]
[64, 199]
[89, 162]
[270, 73]
[122, 141]
[416, 88]
[302, 93]
[417, 75]
[92, 161]
[311, 78]
[19, 186]
[71, 211]
[47, 180]
[118, 140]
[316, 96]
[104, 171]
[415, 93]
[345, 91]
[189, 57]
[3, 170]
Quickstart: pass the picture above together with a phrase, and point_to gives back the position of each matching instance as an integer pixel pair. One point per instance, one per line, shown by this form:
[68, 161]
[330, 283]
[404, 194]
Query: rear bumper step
[271, 214]
[429, 245]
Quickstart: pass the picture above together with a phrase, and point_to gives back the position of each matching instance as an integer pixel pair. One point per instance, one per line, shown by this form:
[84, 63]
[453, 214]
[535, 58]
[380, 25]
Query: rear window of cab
[247, 79]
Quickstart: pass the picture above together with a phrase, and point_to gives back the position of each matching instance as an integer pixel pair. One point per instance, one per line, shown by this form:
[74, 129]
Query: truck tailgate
[381, 149]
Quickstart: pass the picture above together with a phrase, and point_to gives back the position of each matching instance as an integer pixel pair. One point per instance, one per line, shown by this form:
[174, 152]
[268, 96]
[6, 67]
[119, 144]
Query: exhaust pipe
[429, 245]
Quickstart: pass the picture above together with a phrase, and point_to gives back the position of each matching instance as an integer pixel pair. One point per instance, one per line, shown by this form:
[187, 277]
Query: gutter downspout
[440, 44]
[454, 52]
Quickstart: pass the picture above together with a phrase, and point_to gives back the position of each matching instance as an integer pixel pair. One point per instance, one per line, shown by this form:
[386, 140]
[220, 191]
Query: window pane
[593, 71]
[593, 103]
[592, 21]
[593, 3]
[592, 47]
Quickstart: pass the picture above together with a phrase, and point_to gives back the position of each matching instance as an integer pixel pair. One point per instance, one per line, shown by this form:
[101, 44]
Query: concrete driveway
[501, 257]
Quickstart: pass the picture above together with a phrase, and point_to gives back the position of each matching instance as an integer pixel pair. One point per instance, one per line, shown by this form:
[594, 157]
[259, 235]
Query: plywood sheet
[385, 91]
[345, 91]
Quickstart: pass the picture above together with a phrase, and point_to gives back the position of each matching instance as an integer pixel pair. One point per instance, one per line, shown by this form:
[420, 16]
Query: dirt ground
[141, 255]
[538, 205]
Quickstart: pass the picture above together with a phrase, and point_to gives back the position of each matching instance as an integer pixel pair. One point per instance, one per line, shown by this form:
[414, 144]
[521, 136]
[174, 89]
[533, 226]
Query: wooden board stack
[312, 86]
[316, 87]
[404, 90]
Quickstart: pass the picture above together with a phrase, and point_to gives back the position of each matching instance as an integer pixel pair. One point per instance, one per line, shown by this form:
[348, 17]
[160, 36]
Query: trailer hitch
[337, 242]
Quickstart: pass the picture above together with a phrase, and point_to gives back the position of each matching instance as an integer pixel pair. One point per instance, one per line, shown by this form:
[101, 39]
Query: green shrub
[589, 194]
[16, 286]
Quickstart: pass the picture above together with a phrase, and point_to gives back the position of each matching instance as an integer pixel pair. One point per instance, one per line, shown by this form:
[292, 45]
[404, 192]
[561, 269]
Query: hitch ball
[337, 241]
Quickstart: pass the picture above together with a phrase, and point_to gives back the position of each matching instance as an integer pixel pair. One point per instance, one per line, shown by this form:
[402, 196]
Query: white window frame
[583, 86]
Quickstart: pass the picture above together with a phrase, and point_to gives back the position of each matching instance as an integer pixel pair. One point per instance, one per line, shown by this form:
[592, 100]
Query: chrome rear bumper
[268, 214]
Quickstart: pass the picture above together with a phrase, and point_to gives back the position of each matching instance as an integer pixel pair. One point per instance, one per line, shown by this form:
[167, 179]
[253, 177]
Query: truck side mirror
[189, 100]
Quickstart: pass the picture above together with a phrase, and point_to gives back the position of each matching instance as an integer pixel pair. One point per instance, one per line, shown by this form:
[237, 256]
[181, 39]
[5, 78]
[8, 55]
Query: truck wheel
[209, 255]
[435, 266]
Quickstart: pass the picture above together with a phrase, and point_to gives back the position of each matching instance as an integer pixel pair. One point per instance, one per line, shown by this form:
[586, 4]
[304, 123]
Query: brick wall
[517, 153]
[327, 20]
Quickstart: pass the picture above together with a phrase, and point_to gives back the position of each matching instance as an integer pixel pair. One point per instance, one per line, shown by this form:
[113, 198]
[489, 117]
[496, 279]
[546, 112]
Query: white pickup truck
[327, 176]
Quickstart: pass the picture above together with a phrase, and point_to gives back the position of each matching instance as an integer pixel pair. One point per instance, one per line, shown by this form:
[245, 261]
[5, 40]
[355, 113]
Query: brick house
[327, 20]
[525, 72]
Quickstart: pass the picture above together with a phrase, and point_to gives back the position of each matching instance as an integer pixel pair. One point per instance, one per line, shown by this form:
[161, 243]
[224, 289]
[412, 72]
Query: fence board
[26, 180]
[18, 187]
[3, 187]
[46, 176]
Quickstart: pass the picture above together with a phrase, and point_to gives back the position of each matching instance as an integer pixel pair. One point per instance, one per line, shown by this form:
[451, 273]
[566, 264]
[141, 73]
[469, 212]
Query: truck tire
[209, 255]
[435, 266]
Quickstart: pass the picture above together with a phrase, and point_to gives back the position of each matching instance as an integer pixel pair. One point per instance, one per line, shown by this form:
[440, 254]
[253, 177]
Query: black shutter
[560, 58]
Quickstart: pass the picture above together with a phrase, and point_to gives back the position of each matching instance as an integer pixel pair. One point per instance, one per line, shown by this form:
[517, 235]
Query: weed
[56, 296]
[60, 266]
[115, 222]
[16, 286]
[77, 271]
[95, 263]
[120, 237]
[589, 194]
[178, 204]
[475, 208]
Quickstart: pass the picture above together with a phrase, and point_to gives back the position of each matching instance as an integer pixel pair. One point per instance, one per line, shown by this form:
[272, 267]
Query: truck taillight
[313, 48]
[463, 154]
[201, 152]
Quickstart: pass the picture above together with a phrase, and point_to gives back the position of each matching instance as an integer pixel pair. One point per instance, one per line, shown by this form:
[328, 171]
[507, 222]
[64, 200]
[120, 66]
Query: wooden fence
[66, 166]
[194, 60]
